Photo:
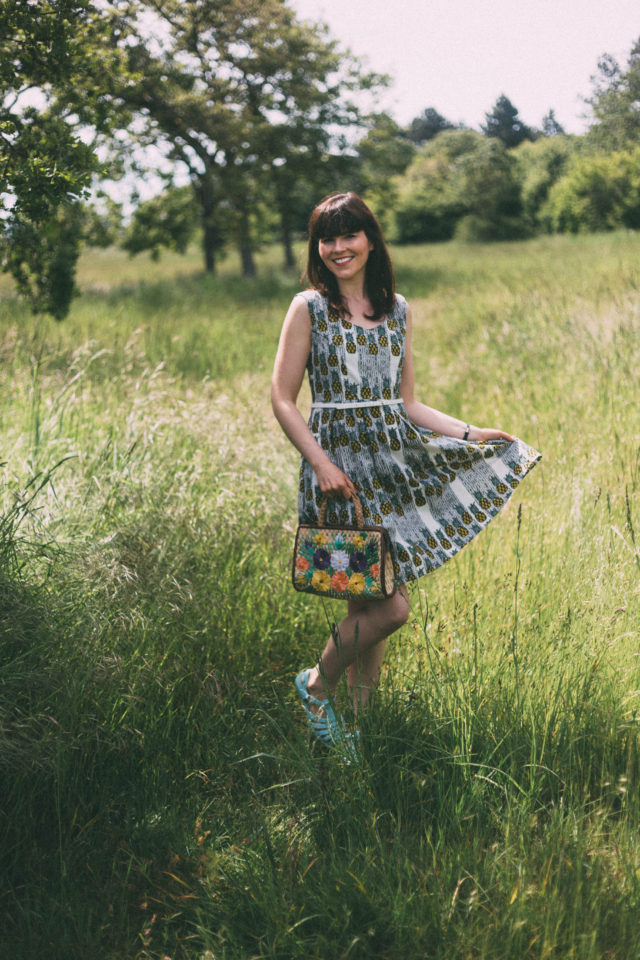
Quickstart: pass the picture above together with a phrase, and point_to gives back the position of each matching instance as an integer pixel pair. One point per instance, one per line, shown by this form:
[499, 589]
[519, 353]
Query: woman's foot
[327, 726]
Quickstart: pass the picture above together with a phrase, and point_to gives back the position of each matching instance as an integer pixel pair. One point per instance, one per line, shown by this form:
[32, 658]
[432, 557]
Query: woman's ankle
[317, 686]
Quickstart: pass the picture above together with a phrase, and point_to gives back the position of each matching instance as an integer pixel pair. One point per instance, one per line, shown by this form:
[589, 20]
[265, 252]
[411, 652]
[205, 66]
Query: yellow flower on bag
[356, 583]
[358, 542]
[320, 539]
[321, 580]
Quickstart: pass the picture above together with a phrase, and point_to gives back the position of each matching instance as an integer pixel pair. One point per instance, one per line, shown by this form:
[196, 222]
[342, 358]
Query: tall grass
[159, 794]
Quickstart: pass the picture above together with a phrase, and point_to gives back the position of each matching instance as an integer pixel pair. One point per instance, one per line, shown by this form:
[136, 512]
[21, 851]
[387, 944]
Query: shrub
[598, 192]
[539, 166]
[464, 184]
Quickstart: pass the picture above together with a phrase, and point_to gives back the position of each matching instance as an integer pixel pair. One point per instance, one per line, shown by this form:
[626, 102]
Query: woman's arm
[432, 419]
[288, 373]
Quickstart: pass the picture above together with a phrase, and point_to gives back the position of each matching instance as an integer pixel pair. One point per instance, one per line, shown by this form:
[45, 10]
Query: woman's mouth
[341, 260]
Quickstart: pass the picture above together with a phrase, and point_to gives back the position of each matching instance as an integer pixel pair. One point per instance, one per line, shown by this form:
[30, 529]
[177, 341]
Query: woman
[432, 480]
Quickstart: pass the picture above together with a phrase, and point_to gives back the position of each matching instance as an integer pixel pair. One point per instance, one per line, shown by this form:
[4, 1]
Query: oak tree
[241, 94]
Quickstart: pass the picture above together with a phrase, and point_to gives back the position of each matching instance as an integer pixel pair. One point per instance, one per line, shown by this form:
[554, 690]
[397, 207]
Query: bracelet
[467, 432]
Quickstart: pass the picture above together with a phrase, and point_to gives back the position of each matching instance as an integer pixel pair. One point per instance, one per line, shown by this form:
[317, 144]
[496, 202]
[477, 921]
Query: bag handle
[357, 506]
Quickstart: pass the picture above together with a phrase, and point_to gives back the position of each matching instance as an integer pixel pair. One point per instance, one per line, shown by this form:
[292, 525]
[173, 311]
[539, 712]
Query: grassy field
[159, 795]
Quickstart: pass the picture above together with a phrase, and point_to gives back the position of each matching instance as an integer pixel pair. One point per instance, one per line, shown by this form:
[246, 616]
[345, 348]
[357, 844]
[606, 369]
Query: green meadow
[160, 796]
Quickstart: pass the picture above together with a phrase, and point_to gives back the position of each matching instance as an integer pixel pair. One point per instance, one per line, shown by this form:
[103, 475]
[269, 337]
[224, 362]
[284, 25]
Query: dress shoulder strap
[400, 310]
[315, 302]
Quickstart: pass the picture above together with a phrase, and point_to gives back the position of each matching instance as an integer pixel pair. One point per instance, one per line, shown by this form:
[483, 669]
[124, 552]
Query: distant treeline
[257, 114]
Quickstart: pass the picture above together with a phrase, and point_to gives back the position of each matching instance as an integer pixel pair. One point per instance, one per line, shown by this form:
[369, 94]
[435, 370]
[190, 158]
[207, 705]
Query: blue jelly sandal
[326, 726]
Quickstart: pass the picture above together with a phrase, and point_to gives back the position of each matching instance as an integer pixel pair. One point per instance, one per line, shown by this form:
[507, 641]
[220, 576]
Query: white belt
[356, 403]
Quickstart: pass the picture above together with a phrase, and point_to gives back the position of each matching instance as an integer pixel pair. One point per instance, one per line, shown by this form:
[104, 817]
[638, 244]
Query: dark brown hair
[341, 213]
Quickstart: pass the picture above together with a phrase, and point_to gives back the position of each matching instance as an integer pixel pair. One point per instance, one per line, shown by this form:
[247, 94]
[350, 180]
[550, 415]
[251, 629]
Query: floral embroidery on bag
[340, 564]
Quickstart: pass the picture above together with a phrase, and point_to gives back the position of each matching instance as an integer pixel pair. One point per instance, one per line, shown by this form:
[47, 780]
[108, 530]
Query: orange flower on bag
[340, 581]
[302, 564]
[374, 570]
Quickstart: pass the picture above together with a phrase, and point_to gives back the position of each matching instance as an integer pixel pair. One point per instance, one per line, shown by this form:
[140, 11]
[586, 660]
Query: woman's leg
[363, 674]
[357, 646]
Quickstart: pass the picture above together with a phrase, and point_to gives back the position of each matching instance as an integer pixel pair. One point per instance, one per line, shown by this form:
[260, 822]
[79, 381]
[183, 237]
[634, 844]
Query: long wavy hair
[341, 213]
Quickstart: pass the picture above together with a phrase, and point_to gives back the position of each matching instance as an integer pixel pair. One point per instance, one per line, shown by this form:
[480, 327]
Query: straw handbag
[343, 561]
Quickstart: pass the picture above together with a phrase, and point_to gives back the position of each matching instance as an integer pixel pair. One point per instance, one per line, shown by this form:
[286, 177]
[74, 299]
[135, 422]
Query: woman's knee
[397, 611]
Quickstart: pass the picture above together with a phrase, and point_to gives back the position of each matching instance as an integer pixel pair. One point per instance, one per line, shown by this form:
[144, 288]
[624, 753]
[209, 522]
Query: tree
[45, 168]
[550, 126]
[169, 220]
[429, 200]
[460, 184]
[486, 182]
[598, 192]
[615, 102]
[383, 154]
[428, 125]
[504, 123]
[539, 166]
[102, 225]
[240, 93]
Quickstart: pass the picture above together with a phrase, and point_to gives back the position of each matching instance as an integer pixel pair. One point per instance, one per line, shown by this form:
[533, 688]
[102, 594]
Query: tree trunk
[205, 195]
[209, 247]
[289, 259]
[245, 245]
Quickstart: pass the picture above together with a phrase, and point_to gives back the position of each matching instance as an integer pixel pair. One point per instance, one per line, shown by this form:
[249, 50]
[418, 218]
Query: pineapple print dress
[433, 493]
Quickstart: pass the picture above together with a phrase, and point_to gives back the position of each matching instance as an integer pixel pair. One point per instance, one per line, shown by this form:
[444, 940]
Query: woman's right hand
[333, 482]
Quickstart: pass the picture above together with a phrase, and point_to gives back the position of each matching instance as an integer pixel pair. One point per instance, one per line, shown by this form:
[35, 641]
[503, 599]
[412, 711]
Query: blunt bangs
[337, 219]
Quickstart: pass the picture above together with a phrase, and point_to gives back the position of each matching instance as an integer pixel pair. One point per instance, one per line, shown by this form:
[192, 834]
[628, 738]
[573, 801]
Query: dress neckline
[349, 323]
[345, 322]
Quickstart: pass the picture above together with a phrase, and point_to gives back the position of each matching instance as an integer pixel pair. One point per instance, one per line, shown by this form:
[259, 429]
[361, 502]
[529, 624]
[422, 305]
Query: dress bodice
[349, 363]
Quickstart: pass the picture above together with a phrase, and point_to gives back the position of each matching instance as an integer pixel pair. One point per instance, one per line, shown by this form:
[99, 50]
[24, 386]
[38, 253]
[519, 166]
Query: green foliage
[598, 192]
[615, 102]
[429, 204]
[102, 226]
[383, 154]
[168, 220]
[42, 255]
[428, 125]
[550, 125]
[244, 96]
[504, 123]
[45, 165]
[462, 183]
[539, 166]
[486, 181]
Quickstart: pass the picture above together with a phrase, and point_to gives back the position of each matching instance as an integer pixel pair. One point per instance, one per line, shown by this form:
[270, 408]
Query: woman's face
[345, 256]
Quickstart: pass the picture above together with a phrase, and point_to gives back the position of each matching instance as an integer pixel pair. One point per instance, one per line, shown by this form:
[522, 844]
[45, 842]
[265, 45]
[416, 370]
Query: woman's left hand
[486, 433]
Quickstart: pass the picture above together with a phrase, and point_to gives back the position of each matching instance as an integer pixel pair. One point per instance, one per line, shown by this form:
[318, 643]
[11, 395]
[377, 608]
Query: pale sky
[460, 55]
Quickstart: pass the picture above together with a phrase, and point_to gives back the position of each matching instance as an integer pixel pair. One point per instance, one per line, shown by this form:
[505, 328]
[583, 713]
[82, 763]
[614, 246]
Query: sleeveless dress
[432, 492]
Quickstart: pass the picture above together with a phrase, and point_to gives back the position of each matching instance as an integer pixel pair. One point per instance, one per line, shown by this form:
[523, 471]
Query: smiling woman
[347, 255]
[432, 480]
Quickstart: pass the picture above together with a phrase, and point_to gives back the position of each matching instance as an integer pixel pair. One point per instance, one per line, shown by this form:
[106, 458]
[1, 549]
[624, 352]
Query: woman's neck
[352, 289]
